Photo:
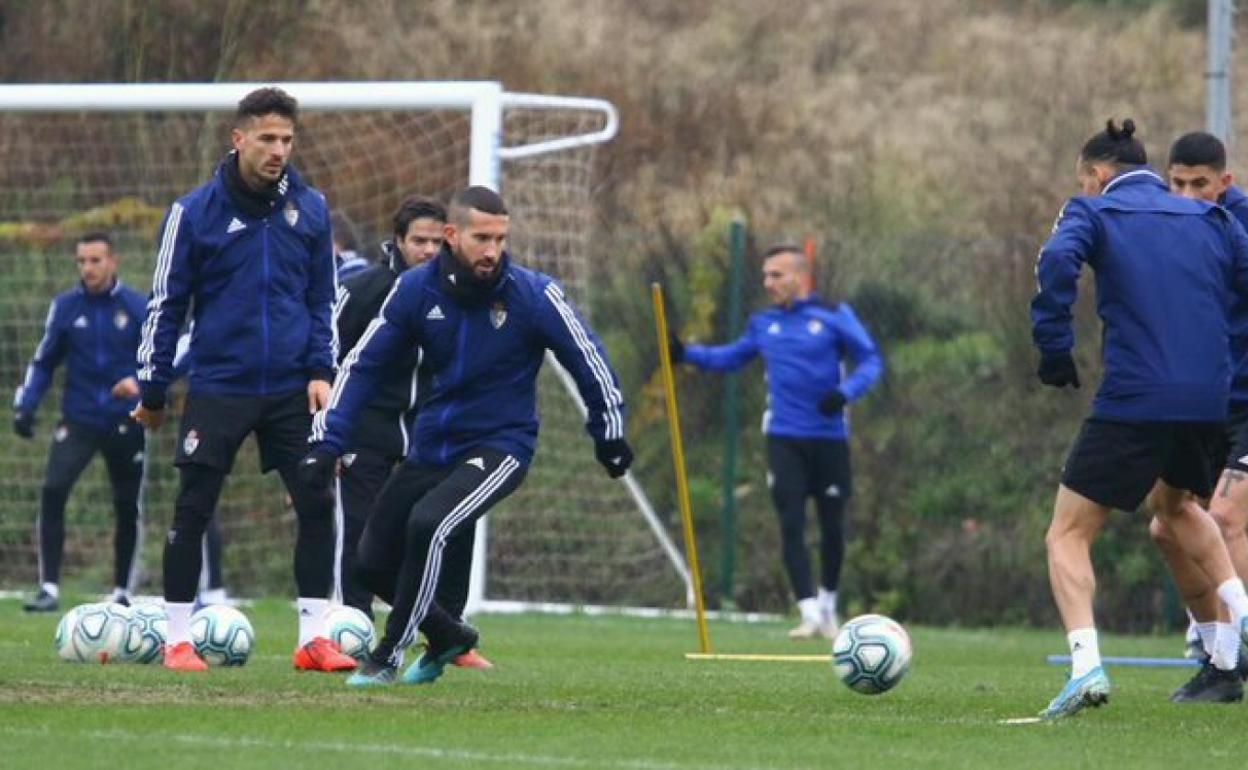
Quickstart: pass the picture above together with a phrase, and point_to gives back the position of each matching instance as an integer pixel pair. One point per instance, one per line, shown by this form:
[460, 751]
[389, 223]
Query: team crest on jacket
[291, 213]
[120, 319]
[814, 326]
[191, 442]
[498, 314]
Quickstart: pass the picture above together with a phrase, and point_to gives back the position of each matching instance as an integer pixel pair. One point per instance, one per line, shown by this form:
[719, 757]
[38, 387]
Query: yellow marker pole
[678, 460]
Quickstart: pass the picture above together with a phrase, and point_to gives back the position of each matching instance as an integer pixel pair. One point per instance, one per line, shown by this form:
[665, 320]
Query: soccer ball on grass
[93, 633]
[222, 635]
[351, 630]
[871, 654]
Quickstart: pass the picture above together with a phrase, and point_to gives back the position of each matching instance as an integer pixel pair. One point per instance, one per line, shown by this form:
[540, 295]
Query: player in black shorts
[250, 255]
[1166, 268]
[1197, 169]
[94, 329]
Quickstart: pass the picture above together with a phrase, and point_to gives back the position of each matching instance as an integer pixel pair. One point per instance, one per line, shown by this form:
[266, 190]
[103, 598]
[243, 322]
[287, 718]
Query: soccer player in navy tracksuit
[483, 324]
[94, 329]
[1197, 169]
[804, 343]
[1167, 272]
[249, 254]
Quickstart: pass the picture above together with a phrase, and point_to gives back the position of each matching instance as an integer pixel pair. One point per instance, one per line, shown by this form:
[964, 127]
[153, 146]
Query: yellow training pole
[678, 459]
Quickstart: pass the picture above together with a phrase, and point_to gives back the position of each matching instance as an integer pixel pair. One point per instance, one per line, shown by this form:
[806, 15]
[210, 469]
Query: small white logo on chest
[814, 326]
[774, 328]
[435, 314]
[80, 322]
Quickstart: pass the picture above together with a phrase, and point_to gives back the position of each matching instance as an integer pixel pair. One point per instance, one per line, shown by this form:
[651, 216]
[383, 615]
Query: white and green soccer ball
[871, 654]
[93, 633]
[149, 629]
[351, 630]
[222, 635]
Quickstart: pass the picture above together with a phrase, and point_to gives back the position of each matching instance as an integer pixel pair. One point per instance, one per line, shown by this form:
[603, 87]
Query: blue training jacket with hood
[804, 347]
[1168, 270]
[259, 283]
[483, 355]
[96, 335]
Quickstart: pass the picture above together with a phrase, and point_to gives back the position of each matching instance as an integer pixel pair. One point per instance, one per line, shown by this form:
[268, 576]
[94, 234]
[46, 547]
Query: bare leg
[1076, 523]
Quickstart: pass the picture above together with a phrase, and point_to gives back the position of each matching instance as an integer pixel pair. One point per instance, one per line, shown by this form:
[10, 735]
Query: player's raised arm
[1057, 278]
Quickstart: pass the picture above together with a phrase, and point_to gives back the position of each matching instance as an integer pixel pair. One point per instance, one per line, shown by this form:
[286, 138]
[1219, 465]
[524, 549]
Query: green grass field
[585, 692]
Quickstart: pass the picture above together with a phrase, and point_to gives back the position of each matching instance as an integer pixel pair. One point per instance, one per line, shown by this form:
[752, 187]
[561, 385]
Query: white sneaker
[805, 630]
[829, 627]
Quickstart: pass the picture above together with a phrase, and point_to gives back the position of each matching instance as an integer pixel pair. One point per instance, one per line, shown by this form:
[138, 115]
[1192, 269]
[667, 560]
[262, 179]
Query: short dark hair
[416, 207]
[1198, 149]
[345, 233]
[477, 197]
[783, 248]
[1115, 145]
[96, 236]
[266, 101]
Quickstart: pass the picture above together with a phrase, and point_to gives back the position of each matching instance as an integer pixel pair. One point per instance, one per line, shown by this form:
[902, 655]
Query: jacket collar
[1136, 176]
[460, 283]
[1232, 197]
[251, 202]
[112, 291]
[800, 304]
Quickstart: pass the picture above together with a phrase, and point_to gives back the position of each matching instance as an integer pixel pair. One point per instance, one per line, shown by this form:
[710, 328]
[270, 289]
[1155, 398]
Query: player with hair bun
[1166, 269]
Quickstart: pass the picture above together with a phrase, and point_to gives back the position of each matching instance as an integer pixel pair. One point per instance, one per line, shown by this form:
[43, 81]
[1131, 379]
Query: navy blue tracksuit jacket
[1168, 270]
[483, 357]
[96, 335]
[260, 290]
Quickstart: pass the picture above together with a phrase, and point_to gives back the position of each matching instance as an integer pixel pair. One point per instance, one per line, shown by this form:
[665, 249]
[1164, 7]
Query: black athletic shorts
[1116, 463]
[1234, 441]
[213, 428]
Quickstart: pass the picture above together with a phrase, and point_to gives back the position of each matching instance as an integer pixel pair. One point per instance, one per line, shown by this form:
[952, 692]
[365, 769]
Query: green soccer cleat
[429, 666]
[373, 674]
[1091, 689]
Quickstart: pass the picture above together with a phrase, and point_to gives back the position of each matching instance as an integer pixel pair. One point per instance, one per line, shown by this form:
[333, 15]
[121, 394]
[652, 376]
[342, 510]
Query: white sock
[1085, 653]
[1208, 633]
[210, 596]
[810, 610]
[1225, 653]
[53, 590]
[1193, 632]
[311, 618]
[1232, 592]
[179, 621]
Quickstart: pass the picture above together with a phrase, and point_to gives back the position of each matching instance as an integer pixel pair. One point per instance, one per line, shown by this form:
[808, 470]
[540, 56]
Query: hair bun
[1120, 134]
[1128, 128]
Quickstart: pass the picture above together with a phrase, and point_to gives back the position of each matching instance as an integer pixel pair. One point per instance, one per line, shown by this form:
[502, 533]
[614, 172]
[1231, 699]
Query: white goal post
[491, 153]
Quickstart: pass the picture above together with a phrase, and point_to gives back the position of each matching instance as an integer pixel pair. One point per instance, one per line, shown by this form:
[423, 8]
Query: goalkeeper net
[570, 535]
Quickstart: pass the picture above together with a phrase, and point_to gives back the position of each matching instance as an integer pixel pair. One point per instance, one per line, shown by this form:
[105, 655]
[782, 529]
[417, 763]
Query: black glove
[675, 348]
[615, 456]
[832, 403]
[316, 470]
[1058, 370]
[24, 424]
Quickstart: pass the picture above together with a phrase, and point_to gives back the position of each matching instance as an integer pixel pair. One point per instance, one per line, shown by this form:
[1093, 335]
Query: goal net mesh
[570, 535]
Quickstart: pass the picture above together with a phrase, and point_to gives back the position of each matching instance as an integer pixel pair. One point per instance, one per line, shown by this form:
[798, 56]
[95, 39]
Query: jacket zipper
[264, 315]
[459, 373]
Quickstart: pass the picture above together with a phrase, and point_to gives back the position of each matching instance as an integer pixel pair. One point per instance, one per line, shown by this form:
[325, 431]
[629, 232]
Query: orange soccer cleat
[321, 654]
[182, 657]
[472, 659]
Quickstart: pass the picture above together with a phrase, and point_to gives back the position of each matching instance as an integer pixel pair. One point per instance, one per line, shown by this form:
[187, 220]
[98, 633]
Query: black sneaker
[372, 674]
[43, 602]
[1211, 685]
[124, 601]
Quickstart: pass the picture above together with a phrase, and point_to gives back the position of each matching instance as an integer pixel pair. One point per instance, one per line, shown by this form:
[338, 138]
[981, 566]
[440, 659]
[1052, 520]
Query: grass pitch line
[759, 658]
[381, 749]
[1021, 721]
